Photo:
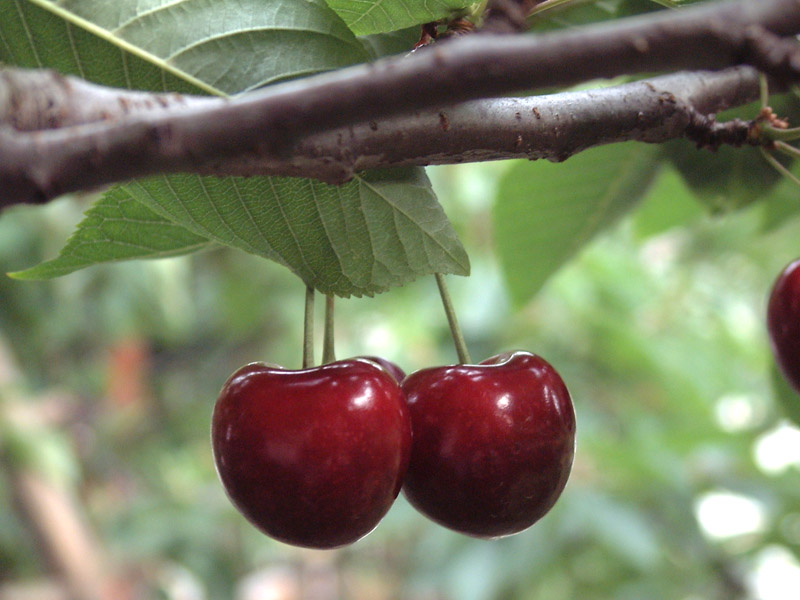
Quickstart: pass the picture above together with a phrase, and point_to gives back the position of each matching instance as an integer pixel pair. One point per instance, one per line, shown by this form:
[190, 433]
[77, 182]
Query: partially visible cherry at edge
[783, 322]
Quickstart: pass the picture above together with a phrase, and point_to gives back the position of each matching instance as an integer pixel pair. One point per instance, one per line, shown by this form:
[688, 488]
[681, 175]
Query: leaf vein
[28, 33]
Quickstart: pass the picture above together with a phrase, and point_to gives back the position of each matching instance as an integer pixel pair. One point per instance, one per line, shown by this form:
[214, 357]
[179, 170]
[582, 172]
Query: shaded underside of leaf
[380, 230]
[379, 16]
[546, 212]
[118, 228]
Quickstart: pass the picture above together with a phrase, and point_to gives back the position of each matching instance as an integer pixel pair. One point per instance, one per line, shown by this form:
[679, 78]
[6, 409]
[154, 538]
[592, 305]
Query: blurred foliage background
[686, 478]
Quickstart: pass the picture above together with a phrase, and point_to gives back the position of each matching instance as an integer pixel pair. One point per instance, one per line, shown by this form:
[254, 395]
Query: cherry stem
[787, 149]
[779, 167]
[781, 135]
[455, 329]
[328, 353]
[308, 330]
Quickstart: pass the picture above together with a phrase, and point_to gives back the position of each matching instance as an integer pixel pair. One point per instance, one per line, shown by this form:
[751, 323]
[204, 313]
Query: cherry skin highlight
[783, 322]
[493, 443]
[313, 457]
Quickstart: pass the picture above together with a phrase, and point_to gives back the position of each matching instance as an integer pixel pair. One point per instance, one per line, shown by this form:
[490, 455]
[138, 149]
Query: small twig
[710, 134]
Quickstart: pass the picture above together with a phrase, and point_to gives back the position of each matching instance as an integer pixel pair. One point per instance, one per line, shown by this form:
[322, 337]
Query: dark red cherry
[783, 322]
[313, 457]
[493, 443]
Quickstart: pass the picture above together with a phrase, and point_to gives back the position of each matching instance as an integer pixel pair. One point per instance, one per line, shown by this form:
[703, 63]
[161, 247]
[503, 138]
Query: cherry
[493, 443]
[393, 369]
[313, 457]
[783, 322]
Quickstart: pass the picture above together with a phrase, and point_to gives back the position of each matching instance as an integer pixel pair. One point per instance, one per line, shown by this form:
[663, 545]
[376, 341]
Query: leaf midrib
[109, 37]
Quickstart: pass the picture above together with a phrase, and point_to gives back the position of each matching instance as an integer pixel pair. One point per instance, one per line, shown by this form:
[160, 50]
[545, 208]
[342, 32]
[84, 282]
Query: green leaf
[380, 16]
[216, 47]
[361, 238]
[380, 230]
[117, 228]
[546, 212]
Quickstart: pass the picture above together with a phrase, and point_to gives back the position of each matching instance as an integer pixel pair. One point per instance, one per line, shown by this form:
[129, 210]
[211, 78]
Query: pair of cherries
[316, 457]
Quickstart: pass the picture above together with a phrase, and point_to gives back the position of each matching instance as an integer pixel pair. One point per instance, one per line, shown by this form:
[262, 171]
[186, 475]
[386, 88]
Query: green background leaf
[546, 212]
[670, 203]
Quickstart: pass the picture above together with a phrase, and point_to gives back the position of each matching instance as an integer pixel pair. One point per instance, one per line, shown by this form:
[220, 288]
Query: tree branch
[553, 127]
[331, 125]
